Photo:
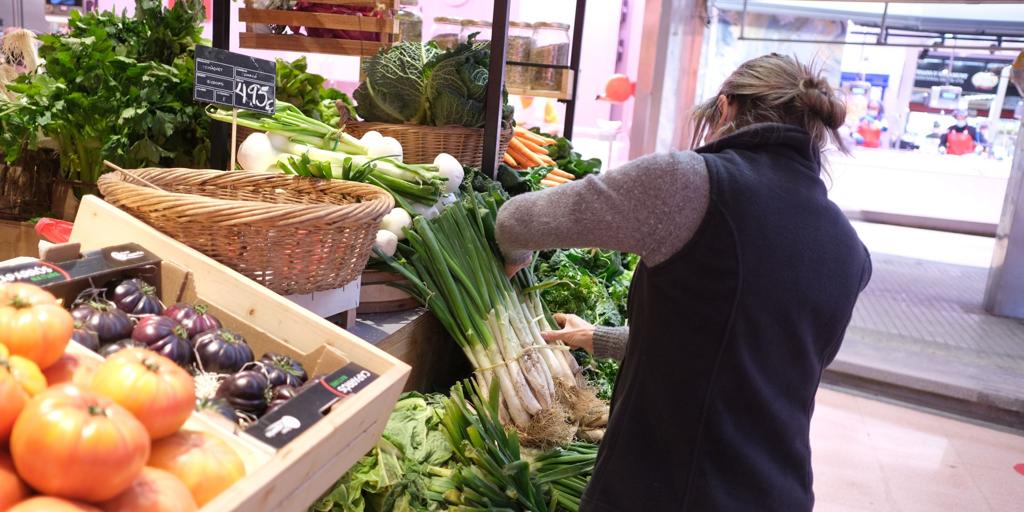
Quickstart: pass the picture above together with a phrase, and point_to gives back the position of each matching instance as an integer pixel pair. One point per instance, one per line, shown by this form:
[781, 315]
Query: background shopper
[747, 282]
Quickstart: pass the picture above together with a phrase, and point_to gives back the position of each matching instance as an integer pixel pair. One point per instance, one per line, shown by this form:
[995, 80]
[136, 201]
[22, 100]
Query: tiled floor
[871, 456]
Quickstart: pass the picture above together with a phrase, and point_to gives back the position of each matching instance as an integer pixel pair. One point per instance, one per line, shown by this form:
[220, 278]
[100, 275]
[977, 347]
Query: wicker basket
[292, 234]
[420, 144]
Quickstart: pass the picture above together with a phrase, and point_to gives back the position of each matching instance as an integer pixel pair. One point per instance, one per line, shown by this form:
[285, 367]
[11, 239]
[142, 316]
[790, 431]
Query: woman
[961, 138]
[747, 281]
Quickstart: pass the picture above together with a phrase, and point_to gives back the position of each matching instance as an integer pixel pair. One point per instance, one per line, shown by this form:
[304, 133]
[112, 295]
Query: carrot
[562, 174]
[556, 179]
[549, 183]
[517, 148]
[532, 147]
[547, 161]
[509, 161]
[540, 140]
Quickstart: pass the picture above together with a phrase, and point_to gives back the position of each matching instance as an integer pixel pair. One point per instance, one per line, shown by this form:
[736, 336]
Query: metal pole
[220, 133]
[495, 87]
[898, 45]
[743, 21]
[574, 63]
[882, 36]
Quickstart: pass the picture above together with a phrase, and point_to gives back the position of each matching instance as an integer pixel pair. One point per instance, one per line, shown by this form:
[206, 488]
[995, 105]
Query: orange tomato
[155, 389]
[32, 324]
[12, 401]
[51, 504]
[12, 489]
[155, 490]
[75, 444]
[205, 463]
[25, 372]
[74, 368]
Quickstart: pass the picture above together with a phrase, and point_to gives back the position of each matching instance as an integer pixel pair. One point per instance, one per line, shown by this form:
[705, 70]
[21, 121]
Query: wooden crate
[386, 28]
[293, 477]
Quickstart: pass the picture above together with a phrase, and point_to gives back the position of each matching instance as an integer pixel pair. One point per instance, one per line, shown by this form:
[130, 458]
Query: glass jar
[446, 32]
[550, 47]
[520, 42]
[482, 28]
[410, 21]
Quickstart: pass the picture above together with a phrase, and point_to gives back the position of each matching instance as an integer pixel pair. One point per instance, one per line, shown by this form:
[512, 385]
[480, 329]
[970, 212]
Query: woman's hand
[575, 332]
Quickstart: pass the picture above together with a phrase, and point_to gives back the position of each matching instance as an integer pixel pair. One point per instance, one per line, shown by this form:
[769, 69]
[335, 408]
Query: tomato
[203, 461]
[12, 489]
[75, 444]
[155, 389]
[155, 490]
[12, 401]
[25, 372]
[51, 504]
[25, 293]
[77, 369]
[32, 324]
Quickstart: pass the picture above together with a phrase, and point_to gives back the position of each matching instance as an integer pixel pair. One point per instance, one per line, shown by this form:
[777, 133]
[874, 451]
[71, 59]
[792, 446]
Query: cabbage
[416, 83]
[393, 91]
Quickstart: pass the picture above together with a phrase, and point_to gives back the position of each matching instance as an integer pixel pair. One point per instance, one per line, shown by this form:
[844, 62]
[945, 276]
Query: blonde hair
[775, 89]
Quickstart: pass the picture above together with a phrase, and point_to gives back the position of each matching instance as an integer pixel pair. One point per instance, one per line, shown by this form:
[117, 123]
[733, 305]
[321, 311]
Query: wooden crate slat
[293, 43]
[318, 20]
[392, 4]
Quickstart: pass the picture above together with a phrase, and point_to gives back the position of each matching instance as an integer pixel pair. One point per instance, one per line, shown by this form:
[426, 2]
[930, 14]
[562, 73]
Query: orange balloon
[618, 88]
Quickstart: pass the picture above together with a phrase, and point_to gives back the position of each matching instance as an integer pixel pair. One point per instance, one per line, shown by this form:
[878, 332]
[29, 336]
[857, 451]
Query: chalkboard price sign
[235, 80]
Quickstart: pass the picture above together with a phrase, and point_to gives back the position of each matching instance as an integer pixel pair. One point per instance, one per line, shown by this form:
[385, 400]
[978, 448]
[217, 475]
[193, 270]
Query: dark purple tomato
[103, 318]
[137, 297]
[215, 406]
[165, 337]
[245, 391]
[117, 346]
[281, 370]
[85, 338]
[195, 319]
[222, 351]
[279, 395]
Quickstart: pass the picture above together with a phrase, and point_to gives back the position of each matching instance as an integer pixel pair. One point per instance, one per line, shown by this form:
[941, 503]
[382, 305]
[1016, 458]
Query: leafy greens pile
[417, 83]
[115, 87]
[306, 91]
[590, 283]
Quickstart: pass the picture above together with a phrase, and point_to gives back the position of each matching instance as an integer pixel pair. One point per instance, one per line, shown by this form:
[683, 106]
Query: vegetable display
[452, 266]
[116, 88]
[417, 83]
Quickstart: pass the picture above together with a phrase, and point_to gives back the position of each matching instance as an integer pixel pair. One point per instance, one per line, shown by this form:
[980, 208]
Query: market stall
[194, 314]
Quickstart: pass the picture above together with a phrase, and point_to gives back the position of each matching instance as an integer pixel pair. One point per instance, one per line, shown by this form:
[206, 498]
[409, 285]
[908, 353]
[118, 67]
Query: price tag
[235, 80]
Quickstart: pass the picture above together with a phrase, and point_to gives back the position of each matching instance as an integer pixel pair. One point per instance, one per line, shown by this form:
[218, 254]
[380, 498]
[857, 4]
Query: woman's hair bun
[816, 96]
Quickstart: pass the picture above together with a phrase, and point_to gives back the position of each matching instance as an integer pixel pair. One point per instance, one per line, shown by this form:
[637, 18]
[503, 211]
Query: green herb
[306, 91]
[591, 283]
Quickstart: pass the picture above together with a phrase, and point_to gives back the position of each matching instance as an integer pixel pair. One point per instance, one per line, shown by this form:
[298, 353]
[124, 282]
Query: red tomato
[155, 490]
[12, 489]
[204, 462]
[155, 389]
[32, 324]
[75, 444]
[72, 368]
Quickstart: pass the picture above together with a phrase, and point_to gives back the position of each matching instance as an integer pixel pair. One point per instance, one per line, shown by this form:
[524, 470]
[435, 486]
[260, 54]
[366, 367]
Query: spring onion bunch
[453, 267]
[293, 143]
[494, 472]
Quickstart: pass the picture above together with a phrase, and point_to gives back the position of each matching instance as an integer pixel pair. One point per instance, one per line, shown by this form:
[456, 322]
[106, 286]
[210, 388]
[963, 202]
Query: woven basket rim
[371, 194]
[447, 128]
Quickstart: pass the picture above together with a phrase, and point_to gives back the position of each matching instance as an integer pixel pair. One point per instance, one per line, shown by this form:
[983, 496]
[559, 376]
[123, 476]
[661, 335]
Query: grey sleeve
[610, 342]
[651, 206]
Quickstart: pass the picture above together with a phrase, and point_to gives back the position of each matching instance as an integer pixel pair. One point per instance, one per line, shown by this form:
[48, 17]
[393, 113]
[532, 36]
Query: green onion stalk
[452, 266]
[308, 147]
[494, 473]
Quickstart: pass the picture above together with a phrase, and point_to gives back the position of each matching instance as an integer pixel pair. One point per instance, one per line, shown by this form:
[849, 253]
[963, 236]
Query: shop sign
[934, 71]
[235, 80]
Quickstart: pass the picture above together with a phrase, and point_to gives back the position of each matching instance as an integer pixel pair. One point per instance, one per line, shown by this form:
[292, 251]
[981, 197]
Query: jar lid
[410, 3]
[475, 23]
[447, 20]
[520, 24]
[551, 24]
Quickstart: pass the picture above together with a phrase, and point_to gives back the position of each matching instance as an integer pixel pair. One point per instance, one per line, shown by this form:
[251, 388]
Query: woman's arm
[602, 342]
[651, 207]
[610, 342]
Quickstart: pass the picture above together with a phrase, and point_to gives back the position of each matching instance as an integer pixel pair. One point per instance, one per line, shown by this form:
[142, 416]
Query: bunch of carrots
[528, 149]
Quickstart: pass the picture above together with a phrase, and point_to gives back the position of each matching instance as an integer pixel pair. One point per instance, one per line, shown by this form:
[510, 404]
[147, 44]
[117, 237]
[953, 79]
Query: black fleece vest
[728, 339]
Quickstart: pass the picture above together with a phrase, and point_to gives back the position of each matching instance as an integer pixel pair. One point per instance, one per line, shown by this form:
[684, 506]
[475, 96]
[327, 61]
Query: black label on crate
[39, 273]
[315, 400]
[235, 80]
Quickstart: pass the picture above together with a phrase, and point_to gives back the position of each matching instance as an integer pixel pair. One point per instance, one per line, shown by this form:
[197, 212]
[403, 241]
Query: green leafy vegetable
[591, 283]
[569, 160]
[599, 373]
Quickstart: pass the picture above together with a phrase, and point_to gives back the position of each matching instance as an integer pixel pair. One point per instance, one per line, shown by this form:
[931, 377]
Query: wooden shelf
[292, 43]
[564, 93]
[318, 20]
